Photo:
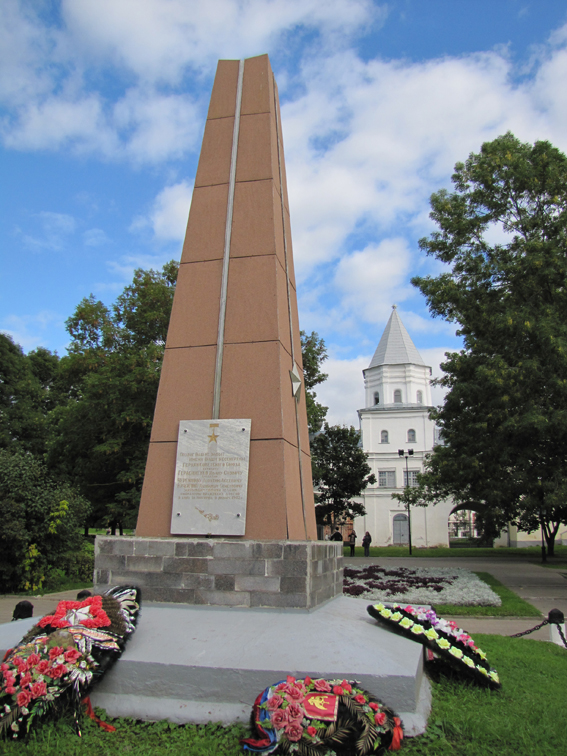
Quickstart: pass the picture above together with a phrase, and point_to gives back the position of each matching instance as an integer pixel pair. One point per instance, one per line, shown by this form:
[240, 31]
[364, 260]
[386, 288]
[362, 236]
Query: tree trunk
[550, 533]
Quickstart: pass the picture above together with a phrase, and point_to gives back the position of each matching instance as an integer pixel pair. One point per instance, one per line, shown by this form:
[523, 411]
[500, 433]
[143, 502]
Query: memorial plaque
[211, 477]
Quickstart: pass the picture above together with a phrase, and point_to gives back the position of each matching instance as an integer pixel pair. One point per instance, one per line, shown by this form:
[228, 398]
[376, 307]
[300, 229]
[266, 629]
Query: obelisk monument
[228, 475]
[230, 416]
[234, 333]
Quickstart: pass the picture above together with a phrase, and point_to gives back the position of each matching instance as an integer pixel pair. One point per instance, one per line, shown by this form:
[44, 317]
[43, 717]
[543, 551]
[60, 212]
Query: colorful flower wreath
[88, 613]
[321, 718]
[60, 657]
[440, 636]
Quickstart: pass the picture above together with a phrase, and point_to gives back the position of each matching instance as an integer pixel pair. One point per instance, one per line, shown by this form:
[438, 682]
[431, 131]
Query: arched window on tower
[420, 397]
[384, 437]
[376, 398]
[411, 436]
[398, 396]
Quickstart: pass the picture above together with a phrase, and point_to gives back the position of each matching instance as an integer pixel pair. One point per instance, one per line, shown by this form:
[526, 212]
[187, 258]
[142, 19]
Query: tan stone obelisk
[233, 339]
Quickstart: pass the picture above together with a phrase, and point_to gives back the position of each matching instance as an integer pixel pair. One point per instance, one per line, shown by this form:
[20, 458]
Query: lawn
[531, 554]
[522, 718]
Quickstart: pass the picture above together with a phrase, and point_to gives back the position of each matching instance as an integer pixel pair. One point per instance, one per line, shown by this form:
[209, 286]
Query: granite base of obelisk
[222, 572]
[207, 664]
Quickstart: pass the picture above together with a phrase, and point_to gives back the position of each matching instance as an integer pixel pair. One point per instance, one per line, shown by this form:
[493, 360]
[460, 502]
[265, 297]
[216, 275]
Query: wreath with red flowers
[322, 718]
[92, 614]
[59, 658]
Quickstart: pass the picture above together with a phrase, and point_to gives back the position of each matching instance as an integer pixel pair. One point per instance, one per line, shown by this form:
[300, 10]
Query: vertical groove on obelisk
[289, 307]
[227, 237]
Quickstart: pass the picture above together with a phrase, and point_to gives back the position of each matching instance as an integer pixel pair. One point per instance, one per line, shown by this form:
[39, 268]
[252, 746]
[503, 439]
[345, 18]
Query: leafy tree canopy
[110, 378]
[314, 353]
[25, 383]
[340, 472]
[503, 238]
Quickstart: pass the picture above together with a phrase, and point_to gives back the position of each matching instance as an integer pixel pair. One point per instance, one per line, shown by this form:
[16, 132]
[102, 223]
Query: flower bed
[422, 585]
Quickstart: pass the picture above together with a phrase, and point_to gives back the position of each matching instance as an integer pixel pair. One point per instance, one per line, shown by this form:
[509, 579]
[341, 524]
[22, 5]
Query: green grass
[531, 554]
[523, 718]
[64, 585]
[512, 604]
[131, 737]
[559, 565]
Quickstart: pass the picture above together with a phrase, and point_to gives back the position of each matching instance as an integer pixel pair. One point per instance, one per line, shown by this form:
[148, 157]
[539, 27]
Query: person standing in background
[352, 541]
[366, 541]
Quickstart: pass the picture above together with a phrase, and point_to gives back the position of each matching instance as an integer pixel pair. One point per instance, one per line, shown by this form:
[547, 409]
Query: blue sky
[102, 109]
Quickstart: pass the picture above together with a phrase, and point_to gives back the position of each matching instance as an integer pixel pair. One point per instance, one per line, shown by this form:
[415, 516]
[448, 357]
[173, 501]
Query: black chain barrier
[562, 635]
[531, 630]
[555, 617]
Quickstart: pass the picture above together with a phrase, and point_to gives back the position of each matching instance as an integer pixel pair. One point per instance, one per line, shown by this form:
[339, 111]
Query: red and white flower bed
[421, 585]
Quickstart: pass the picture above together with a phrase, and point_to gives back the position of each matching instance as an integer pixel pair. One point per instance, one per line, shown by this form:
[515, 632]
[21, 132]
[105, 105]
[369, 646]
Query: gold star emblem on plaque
[213, 437]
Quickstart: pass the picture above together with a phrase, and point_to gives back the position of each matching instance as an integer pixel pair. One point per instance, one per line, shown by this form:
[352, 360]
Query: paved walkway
[544, 588]
[41, 606]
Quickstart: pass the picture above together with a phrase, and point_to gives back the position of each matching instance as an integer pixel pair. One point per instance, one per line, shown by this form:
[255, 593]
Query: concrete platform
[199, 664]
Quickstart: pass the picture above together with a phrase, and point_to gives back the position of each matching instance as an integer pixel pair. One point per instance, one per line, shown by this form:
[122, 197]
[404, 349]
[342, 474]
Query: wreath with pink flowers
[322, 718]
[441, 636]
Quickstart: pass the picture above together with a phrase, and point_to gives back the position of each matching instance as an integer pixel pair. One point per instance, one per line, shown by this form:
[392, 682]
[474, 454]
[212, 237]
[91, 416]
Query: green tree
[314, 353]
[41, 517]
[110, 378]
[24, 396]
[340, 472]
[503, 238]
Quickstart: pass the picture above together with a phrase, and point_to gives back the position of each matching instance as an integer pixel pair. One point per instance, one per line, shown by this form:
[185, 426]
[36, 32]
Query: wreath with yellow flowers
[441, 636]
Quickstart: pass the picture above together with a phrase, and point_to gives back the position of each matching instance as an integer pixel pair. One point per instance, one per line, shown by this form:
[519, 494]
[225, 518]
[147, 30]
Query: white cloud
[24, 46]
[367, 141]
[54, 230]
[95, 237]
[167, 218]
[54, 76]
[402, 126]
[158, 127]
[433, 357]
[343, 391]
[159, 40]
[372, 279]
[31, 331]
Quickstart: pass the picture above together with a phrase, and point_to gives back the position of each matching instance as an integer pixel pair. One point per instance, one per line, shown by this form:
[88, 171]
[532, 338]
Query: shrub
[42, 519]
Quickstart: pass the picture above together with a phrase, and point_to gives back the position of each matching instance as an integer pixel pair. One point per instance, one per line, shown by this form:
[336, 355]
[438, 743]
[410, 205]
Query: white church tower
[396, 418]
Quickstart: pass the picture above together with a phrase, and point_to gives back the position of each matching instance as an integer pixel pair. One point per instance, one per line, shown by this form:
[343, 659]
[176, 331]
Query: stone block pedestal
[201, 664]
[222, 572]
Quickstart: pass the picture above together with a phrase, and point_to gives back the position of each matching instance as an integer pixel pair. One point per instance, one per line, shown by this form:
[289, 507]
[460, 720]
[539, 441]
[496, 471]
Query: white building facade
[395, 418]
